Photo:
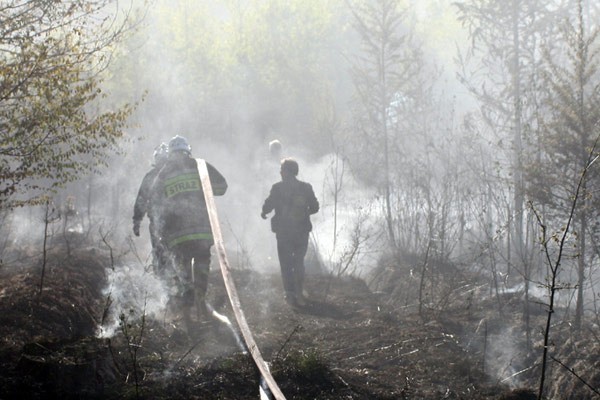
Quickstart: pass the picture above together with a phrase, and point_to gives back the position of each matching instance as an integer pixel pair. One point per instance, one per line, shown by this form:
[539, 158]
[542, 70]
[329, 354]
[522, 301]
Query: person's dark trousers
[291, 249]
[195, 281]
[159, 256]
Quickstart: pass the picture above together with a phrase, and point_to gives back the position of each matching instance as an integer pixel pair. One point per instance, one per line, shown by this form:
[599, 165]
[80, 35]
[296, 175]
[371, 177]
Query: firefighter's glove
[136, 228]
[263, 215]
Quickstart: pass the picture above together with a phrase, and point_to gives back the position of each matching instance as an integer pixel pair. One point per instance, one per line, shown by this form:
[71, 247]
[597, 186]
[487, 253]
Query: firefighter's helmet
[161, 152]
[179, 144]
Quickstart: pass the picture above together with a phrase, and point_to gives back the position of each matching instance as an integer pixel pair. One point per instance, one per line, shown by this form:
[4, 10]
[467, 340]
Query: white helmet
[275, 147]
[161, 152]
[179, 143]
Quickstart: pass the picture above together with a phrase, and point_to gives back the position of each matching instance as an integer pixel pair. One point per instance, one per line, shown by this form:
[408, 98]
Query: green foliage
[52, 129]
[282, 49]
[235, 69]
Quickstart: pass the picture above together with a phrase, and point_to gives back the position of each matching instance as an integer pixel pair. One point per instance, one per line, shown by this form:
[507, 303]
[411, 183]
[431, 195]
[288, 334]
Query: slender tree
[572, 76]
[383, 73]
[500, 69]
[554, 257]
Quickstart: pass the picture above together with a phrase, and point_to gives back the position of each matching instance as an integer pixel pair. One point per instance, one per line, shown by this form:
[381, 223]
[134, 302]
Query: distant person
[143, 206]
[275, 149]
[270, 162]
[183, 223]
[72, 220]
[294, 202]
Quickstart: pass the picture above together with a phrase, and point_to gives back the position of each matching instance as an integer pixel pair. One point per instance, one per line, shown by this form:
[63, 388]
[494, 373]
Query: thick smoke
[133, 291]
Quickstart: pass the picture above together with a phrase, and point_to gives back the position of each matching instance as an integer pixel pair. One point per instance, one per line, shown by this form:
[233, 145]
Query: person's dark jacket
[142, 204]
[293, 201]
[180, 204]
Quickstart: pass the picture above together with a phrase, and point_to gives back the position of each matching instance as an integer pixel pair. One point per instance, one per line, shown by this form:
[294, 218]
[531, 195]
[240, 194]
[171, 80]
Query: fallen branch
[296, 329]
[518, 373]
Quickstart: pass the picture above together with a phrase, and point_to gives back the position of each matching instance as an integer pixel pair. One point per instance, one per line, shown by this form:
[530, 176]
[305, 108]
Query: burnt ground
[347, 343]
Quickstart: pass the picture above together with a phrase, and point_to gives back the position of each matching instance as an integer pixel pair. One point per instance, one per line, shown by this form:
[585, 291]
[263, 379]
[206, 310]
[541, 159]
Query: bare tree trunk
[422, 281]
[89, 203]
[44, 250]
[338, 179]
[580, 268]
[581, 237]
[527, 267]
[387, 183]
[555, 265]
[509, 237]
[517, 138]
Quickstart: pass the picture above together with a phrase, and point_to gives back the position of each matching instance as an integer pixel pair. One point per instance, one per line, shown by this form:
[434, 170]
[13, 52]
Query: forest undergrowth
[350, 342]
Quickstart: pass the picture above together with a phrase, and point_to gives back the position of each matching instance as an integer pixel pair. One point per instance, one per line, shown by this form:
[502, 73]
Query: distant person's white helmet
[161, 153]
[275, 148]
[179, 144]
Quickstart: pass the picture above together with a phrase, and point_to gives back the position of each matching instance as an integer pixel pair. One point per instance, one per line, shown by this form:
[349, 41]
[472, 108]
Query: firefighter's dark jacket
[142, 204]
[180, 204]
[293, 201]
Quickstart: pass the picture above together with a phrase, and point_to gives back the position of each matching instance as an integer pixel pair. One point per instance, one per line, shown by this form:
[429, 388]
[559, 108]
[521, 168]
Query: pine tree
[383, 74]
[571, 129]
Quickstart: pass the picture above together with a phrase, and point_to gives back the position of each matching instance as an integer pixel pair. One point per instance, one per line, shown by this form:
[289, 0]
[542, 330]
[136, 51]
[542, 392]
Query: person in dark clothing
[143, 206]
[183, 223]
[294, 202]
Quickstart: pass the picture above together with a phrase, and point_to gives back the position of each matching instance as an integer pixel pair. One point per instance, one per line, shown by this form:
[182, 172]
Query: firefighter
[143, 206]
[294, 202]
[183, 223]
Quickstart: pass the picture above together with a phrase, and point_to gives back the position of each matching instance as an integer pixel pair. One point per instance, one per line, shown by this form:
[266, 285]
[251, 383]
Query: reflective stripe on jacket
[180, 204]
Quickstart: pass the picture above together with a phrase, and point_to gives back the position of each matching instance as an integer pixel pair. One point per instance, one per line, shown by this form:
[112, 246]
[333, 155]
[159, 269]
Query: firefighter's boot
[187, 303]
[202, 310]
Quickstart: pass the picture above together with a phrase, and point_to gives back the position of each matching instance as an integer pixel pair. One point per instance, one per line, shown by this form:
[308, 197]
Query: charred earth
[347, 343]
